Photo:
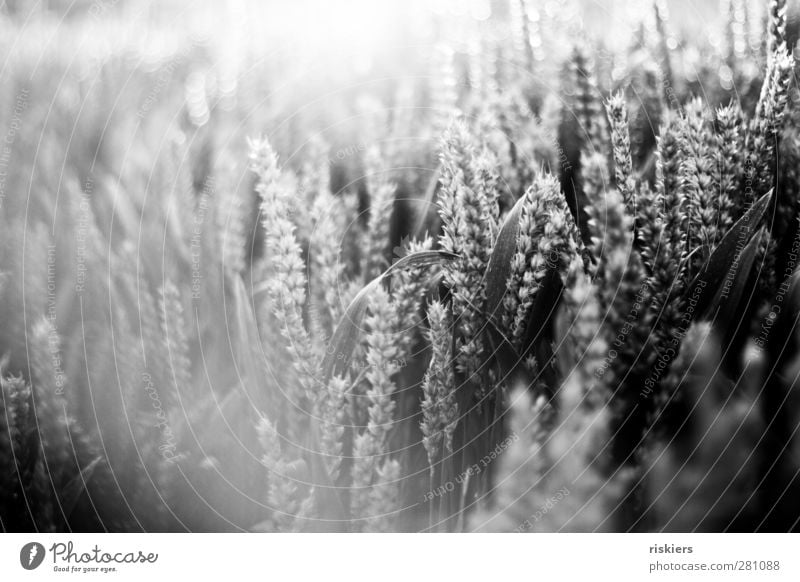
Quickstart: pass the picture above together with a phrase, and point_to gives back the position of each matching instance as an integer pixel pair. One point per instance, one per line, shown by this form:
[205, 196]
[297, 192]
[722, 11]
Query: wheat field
[496, 266]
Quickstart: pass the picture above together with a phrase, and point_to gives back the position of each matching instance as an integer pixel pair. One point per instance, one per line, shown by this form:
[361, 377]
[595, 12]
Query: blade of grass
[348, 331]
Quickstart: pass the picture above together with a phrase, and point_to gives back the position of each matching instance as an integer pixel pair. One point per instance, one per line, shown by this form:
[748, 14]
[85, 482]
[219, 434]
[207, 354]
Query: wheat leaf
[345, 338]
[499, 267]
[496, 282]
